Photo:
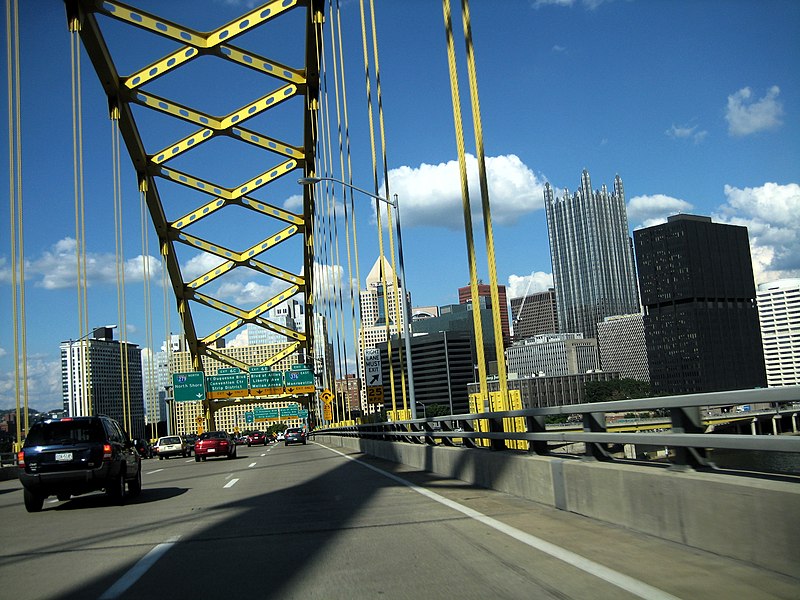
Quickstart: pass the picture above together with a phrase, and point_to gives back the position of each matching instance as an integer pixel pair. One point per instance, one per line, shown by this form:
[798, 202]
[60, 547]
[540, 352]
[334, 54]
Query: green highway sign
[303, 414]
[228, 371]
[298, 378]
[266, 379]
[300, 367]
[260, 369]
[249, 418]
[188, 387]
[265, 413]
[290, 411]
[227, 383]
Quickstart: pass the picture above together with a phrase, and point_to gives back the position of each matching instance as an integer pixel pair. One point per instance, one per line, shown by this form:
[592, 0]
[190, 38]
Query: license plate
[212, 449]
[63, 456]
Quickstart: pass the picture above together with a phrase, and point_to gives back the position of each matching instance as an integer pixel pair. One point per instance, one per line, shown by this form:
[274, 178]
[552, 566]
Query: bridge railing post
[688, 419]
[595, 422]
[537, 424]
[496, 426]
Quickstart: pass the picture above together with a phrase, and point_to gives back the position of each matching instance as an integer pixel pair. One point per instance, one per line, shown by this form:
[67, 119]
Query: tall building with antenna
[592, 256]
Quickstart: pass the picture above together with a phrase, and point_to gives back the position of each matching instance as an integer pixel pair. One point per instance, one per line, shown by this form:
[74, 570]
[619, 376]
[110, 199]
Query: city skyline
[714, 136]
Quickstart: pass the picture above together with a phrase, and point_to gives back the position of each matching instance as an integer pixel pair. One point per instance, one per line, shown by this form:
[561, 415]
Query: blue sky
[695, 104]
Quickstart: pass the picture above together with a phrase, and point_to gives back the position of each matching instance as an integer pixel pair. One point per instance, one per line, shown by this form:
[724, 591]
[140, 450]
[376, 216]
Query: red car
[214, 443]
[257, 437]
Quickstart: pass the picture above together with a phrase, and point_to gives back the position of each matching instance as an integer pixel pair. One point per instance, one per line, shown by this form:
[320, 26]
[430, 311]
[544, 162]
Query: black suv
[76, 455]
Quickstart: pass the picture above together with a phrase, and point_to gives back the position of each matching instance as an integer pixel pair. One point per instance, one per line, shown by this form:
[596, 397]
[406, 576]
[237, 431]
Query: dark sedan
[257, 437]
[294, 435]
[214, 443]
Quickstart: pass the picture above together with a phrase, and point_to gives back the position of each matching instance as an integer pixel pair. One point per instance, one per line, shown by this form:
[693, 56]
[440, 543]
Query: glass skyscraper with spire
[592, 256]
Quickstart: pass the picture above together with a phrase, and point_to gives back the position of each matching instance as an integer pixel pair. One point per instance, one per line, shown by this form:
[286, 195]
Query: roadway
[310, 522]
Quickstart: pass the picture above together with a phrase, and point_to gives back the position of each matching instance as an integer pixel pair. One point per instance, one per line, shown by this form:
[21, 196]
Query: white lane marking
[265, 453]
[251, 465]
[156, 471]
[634, 586]
[231, 483]
[139, 569]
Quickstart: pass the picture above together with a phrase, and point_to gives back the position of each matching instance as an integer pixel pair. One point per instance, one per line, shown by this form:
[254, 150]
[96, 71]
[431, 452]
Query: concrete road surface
[311, 522]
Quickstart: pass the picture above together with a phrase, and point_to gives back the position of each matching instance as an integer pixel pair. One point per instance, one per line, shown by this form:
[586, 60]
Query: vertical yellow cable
[120, 260]
[395, 287]
[85, 406]
[378, 217]
[347, 176]
[148, 309]
[15, 215]
[462, 164]
[487, 215]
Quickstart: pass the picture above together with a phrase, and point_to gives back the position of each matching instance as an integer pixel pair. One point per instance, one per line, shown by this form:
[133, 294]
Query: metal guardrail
[685, 436]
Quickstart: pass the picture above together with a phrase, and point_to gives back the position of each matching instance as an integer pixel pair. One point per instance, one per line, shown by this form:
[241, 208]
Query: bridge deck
[311, 522]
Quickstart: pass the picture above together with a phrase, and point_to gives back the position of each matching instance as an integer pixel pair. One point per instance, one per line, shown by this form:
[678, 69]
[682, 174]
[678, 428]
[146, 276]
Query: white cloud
[646, 211]
[589, 4]
[44, 384]
[55, 268]
[200, 264]
[430, 195]
[522, 285]
[746, 116]
[249, 293]
[239, 341]
[686, 132]
[294, 204]
[771, 214]
[327, 281]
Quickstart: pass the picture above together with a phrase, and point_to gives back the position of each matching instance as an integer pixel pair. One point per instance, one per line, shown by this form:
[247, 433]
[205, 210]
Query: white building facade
[553, 354]
[779, 317]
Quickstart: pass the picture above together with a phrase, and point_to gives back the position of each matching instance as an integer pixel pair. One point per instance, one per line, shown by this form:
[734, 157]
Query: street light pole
[406, 312]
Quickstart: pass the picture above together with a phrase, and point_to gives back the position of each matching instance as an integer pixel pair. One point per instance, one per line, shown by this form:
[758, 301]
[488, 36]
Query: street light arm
[314, 180]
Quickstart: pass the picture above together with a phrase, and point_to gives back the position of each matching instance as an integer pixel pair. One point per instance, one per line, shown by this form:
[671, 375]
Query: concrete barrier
[755, 520]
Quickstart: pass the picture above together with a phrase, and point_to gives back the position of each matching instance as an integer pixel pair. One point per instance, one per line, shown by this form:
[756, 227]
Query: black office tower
[700, 316]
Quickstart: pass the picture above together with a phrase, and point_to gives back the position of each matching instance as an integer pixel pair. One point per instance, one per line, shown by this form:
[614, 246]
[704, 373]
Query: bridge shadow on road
[268, 542]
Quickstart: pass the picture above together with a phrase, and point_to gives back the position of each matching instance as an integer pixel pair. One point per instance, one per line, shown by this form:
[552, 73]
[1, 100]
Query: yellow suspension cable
[85, 406]
[333, 232]
[165, 287]
[487, 216]
[462, 164]
[378, 217]
[120, 260]
[148, 309]
[16, 219]
[346, 176]
[395, 286]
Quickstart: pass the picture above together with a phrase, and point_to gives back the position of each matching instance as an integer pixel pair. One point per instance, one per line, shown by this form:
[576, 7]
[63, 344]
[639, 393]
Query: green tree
[616, 389]
[436, 410]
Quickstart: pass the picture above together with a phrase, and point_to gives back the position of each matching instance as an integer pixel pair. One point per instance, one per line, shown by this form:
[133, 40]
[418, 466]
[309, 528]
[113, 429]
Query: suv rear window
[65, 432]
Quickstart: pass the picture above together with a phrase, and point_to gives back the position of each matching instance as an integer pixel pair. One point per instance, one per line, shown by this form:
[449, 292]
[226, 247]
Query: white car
[280, 437]
[171, 445]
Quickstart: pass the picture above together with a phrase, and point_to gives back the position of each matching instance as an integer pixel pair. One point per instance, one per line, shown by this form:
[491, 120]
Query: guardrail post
[537, 425]
[496, 426]
[469, 442]
[595, 423]
[688, 420]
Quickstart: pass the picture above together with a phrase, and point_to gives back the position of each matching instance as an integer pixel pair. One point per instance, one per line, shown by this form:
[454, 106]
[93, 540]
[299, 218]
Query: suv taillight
[106, 451]
[21, 459]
